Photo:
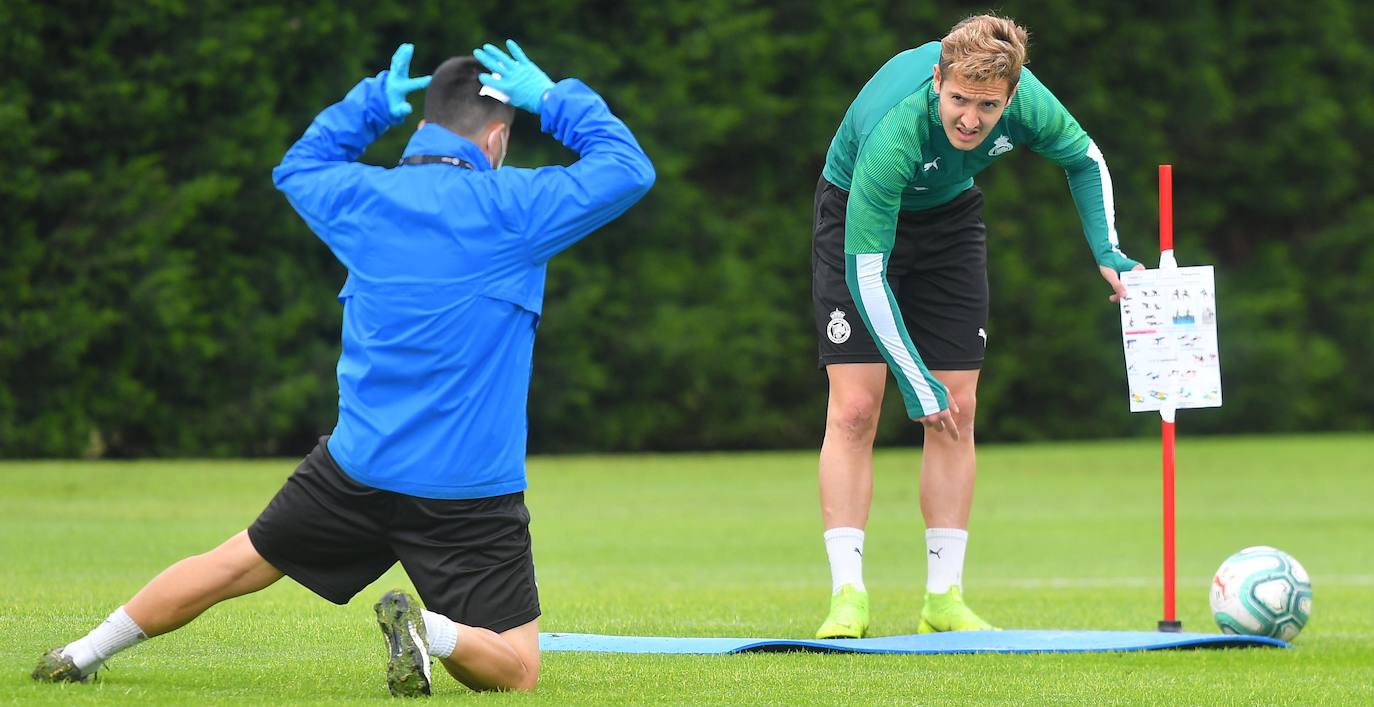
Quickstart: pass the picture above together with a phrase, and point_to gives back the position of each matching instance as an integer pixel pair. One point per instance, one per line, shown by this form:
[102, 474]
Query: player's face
[969, 111]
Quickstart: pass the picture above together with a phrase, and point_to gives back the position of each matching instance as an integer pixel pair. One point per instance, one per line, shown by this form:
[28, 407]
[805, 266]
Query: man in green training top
[899, 243]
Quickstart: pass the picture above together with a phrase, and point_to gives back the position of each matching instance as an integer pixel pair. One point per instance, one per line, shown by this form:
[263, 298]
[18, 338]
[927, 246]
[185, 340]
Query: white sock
[945, 559]
[845, 546]
[113, 635]
[440, 633]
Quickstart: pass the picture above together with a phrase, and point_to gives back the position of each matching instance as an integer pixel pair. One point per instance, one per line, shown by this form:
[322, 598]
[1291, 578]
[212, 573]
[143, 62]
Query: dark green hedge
[160, 298]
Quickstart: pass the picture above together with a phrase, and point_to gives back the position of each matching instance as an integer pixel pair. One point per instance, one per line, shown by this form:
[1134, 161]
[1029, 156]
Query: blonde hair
[985, 48]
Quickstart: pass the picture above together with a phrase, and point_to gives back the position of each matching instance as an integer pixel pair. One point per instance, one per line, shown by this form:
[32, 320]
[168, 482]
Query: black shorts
[938, 272]
[470, 559]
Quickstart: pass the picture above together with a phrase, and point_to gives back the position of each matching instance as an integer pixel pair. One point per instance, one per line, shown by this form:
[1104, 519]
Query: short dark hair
[452, 99]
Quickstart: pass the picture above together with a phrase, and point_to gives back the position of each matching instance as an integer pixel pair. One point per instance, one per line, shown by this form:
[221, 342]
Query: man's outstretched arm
[1058, 136]
[557, 206]
[1091, 186]
[320, 168]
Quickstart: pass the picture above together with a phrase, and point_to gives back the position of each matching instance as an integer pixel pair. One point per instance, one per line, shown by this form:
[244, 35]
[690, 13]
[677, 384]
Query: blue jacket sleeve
[557, 206]
[320, 171]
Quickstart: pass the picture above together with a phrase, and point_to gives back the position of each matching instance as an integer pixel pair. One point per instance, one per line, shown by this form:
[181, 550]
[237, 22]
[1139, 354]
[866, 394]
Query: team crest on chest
[1000, 146]
[838, 329]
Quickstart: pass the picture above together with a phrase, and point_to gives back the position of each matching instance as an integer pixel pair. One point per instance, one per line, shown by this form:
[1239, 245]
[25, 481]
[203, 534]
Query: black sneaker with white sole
[407, 665]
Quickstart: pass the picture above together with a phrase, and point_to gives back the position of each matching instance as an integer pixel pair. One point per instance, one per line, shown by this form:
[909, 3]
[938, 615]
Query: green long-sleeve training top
[891, 154]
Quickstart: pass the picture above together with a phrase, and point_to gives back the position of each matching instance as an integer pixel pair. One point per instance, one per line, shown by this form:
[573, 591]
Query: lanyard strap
[435, 159]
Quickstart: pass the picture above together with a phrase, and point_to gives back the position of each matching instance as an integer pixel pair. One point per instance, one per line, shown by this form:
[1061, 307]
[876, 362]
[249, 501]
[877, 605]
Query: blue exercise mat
[953, 642]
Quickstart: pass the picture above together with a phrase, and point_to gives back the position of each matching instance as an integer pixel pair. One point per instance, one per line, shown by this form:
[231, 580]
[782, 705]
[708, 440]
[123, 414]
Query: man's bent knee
[525, 641]
[968, 408]
[856, 398]
[856, 416]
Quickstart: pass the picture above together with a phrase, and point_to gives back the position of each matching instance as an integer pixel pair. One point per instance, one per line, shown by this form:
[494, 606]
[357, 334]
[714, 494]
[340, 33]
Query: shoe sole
[407, 666]
[926, 627]
[840, 633]
[829, 636]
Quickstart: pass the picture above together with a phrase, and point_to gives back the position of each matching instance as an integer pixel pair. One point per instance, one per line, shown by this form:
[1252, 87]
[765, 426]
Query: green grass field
[1064, 536]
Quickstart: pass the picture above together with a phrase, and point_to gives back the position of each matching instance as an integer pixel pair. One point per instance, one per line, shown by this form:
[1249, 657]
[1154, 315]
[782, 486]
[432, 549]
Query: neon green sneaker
[848, 614]
[948, 612]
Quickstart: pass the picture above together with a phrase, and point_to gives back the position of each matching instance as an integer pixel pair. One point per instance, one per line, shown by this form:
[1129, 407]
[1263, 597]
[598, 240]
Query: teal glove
[523, 83]
[399, 83]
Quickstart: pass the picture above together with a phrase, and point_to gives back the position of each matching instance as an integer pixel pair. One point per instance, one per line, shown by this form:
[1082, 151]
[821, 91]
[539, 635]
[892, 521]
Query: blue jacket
[446, 282]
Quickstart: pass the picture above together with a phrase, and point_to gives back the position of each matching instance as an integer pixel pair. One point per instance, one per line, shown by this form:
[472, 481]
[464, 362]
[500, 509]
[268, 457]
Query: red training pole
[1170, 623]
[1166, 207]
[1166, 245]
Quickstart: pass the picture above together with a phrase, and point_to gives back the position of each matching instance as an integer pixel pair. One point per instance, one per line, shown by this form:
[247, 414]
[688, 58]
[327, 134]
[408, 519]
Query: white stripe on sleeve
[1108, 204]
[873, 292]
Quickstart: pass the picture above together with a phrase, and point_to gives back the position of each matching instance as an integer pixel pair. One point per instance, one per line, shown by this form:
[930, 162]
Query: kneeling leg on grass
[479, 658]
[486, 660]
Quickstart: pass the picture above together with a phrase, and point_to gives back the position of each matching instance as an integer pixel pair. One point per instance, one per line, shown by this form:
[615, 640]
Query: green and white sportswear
[891, 154]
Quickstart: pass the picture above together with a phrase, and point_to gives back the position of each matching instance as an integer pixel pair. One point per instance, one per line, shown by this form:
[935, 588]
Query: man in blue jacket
[446, 258]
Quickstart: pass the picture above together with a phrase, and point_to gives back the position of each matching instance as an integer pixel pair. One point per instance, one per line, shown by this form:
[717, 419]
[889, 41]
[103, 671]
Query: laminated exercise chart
[1169, 331]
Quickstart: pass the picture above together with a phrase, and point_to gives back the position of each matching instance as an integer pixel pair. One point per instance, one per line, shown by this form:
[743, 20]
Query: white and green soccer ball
[1261, 591]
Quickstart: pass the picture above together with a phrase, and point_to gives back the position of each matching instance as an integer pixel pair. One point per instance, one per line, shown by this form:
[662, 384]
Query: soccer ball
[1261, 591]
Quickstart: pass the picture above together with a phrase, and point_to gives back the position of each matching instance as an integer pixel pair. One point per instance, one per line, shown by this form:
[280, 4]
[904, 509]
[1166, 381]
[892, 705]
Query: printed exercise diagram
[1169, 330]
